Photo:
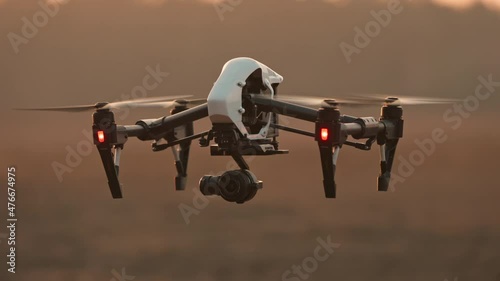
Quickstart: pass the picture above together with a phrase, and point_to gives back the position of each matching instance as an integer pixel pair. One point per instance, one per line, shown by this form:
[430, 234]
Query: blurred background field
[441, 223]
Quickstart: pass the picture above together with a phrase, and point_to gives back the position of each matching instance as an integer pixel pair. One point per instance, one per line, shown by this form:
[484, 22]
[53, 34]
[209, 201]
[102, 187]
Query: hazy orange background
[442, 223]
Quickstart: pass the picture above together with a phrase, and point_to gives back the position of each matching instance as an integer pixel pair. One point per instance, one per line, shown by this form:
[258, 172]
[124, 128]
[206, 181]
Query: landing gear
[237, 186]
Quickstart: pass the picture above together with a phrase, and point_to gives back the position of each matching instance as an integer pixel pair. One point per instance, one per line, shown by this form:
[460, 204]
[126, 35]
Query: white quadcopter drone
[243, 107]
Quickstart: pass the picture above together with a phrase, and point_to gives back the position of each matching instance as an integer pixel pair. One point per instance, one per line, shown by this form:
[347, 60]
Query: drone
[244, 108]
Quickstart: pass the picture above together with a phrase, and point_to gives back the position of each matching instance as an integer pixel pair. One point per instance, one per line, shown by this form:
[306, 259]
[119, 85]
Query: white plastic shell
[225, 101]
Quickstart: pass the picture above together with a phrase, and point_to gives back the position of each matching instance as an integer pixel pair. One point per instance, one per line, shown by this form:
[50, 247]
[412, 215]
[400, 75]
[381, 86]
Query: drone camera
[233, 186]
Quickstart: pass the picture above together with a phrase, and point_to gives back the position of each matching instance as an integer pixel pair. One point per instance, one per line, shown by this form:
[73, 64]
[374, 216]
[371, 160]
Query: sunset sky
[495, 4]
[457, 4]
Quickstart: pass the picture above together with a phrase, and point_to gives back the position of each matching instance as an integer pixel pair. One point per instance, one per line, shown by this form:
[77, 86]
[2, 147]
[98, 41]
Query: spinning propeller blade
[168, 104]
[356, 101]
[110, 105]
[403, 100]
[74, 108]
[315, 101]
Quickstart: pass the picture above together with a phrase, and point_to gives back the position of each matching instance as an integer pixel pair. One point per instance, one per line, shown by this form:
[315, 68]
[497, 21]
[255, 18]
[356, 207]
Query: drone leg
[118, 152]
[181, 178]
[329, 156]
[110, 169]
[387, 152]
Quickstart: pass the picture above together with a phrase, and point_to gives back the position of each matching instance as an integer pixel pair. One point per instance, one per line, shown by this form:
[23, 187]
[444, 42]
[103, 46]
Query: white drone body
[225, 98]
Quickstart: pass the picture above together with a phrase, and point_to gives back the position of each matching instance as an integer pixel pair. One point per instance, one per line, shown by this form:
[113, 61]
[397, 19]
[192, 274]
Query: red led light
[100, 136]
[324, 134]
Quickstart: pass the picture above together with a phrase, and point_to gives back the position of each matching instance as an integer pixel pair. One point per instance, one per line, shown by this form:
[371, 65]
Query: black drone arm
[155, 129]
[177, 129]
[285, 108]
[332, 130]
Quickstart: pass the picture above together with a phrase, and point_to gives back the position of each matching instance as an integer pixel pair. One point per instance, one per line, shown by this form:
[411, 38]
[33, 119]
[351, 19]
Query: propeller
[316, 101]
[142, 102]
[177, 102]
[403, 100]
[356, 101]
